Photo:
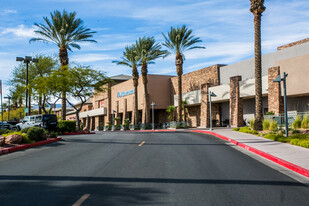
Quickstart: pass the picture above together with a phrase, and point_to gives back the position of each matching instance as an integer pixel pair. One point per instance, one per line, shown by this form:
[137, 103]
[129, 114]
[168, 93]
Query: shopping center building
[232, 84]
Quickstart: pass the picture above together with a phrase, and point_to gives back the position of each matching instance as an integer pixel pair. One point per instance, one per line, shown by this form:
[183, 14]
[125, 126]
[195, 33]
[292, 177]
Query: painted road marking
[81, 200]
[143, 142]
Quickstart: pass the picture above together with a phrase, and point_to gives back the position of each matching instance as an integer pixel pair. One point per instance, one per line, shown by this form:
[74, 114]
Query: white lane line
[81, 200]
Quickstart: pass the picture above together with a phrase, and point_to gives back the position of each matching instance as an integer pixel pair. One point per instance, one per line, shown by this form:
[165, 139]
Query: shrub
[36, 134]
[297, 123]
[305, 122]
[53, 134]
[266, 123]
[236, 129]
[299, 142]
[4, 131]
[252, 123]
[270, 113]
[25, 130]
[67, 126]
[247, 130]
[295, 131]
[273, 125]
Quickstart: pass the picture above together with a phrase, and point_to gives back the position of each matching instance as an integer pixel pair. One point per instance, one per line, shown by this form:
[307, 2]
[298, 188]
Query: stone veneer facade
[275, 99]
[236, 103]
[293, 44]
[202, 79]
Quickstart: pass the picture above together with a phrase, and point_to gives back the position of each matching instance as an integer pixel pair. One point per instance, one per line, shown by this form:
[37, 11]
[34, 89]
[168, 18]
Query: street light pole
[152, 106]
[27, 60]
[279, 79]
[210, 94]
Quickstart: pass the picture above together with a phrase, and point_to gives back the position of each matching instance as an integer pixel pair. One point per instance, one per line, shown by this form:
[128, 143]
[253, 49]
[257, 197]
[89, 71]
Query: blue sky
[226, 28]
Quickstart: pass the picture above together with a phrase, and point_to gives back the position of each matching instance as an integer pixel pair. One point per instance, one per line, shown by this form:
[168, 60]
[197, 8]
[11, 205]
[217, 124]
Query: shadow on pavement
[63, 191]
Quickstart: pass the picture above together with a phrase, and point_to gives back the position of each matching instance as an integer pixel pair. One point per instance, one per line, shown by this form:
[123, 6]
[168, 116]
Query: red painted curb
[26, 146]
[74, 133]
[284, 163]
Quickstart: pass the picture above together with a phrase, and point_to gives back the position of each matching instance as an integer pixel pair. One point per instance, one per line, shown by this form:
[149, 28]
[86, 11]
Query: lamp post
[279, 79]
[152, 107]
[210, 94]
[27, 60]
[113, 125]
[9, 98]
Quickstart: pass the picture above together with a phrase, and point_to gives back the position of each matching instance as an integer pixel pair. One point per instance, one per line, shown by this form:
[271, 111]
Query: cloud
[20, 31]
[9, 11]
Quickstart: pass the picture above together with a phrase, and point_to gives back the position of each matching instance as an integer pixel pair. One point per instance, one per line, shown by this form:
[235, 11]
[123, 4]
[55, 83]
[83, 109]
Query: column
[275, 100]
[236, 103]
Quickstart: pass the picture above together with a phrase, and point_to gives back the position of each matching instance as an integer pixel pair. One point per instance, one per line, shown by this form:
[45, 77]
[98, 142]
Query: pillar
[204, 106]
[236, 103]
[275, 99]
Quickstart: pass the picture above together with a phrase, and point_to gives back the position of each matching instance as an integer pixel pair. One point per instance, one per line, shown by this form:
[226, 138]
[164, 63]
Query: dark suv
[46, 121]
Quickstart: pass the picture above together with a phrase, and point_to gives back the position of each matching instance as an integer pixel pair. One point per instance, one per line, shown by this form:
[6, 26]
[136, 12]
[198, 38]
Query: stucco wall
[298, 75]
[158, 90]
[246, 68]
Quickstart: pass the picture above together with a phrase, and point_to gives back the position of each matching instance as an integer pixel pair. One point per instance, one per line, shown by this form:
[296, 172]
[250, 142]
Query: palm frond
[179, 40]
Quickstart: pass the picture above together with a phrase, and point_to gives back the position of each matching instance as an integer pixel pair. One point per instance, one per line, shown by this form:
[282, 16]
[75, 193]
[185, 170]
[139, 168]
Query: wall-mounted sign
[122, 94]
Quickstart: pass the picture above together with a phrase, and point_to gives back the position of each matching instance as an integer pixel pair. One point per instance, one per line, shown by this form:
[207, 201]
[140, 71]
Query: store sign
[122, 94]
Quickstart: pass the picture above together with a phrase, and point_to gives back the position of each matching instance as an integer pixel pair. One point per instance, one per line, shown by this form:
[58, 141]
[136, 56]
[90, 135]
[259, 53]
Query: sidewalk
[290, 156]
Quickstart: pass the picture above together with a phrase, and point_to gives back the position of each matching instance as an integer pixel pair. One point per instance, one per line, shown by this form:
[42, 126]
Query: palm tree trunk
[64, 60]
[258, 73]
[135, 84]
[146, 96]
[178, 63]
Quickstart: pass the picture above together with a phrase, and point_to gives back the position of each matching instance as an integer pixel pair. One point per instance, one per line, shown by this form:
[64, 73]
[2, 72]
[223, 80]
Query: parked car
[46, 121]
[5, 125]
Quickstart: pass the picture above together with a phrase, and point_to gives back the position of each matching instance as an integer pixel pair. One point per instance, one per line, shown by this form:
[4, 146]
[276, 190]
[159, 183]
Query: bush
[25, 130]
[252, 123]
[67, 126]
[273, 125]
[236, 129]
[299, 142]
[53, 134]
[4, 131]
[36, 134]
[248, 130]
[305, 122]
[297, 123]
[270, 113]
[266, 123]
[295, 131]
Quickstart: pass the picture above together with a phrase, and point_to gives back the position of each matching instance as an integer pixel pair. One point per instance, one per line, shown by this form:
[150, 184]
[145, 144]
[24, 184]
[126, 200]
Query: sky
[224, 26]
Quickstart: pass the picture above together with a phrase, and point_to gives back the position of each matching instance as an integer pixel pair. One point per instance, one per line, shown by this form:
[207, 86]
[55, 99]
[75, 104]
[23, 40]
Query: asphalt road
[133, 168]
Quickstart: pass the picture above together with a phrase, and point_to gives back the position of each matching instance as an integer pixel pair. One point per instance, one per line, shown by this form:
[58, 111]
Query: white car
[28, 121]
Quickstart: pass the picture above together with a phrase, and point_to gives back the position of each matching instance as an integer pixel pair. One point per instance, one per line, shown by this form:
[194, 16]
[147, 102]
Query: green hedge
[67, 126]
[36, 134]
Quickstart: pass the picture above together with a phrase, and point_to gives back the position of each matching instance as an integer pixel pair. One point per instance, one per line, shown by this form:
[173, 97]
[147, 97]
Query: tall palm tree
[131, 59]
[179, 40]
[64, 30]
[257, 8]
[148, 50]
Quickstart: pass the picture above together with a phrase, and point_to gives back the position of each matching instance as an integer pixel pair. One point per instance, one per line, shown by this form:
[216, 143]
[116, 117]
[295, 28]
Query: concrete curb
[26, 146]
[76, 133]
[286, 164]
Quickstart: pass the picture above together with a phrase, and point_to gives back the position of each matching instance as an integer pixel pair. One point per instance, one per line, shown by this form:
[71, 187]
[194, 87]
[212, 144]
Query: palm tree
[171, 111]
[65, 31]
[179, 40]
[148, 50]
[131, 59]
[257, 8]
